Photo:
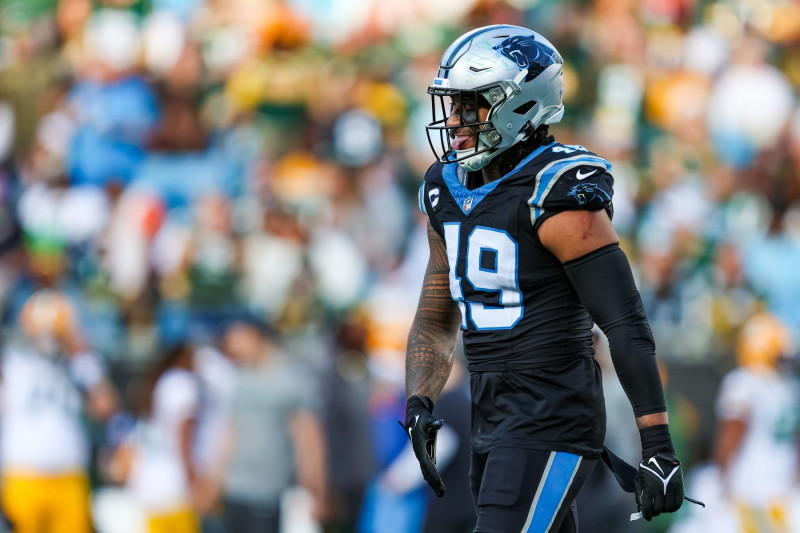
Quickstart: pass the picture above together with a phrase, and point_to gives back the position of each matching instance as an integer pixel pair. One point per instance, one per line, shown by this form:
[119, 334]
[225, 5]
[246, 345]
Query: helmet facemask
[484, 133]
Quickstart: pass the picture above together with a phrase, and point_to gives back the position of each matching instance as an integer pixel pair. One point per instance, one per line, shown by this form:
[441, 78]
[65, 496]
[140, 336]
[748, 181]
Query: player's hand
[422, 427]
[659, 485]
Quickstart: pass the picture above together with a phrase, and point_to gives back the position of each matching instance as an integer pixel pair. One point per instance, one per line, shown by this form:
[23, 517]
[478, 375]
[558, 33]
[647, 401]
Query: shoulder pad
[576, 180]
[430, 196]
[557, 151]
[431, 189]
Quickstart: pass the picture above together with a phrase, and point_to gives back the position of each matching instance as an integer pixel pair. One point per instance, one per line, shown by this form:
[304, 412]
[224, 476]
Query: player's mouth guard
[625, 475]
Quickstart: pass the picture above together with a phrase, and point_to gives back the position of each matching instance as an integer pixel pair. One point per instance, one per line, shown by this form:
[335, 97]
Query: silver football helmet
[514, 71]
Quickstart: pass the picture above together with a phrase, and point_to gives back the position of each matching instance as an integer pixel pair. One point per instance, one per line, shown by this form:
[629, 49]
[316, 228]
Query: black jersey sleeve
[430, 196]
[422, 204]
[572, 184]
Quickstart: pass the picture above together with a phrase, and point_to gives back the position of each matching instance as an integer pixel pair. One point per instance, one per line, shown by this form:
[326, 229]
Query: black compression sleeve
[604, 282]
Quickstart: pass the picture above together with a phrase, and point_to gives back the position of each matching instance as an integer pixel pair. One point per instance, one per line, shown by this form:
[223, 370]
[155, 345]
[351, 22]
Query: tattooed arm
[432, 340]
[429, 358]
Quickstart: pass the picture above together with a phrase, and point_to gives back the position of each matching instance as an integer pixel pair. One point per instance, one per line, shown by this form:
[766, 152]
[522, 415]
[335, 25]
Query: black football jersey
[527, 336]
[518, 308]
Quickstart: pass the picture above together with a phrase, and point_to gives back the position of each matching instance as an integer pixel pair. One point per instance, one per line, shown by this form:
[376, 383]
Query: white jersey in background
[764, 468]
[217, 376]
[158, 477]
[42, 410]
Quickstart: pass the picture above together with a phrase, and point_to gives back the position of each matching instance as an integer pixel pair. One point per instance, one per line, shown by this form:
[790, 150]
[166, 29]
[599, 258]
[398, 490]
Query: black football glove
[422, 428]
[659, 485]
[659, 480]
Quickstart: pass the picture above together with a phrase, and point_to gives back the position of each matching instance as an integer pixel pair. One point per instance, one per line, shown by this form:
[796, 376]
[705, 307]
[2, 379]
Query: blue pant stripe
[556, 485]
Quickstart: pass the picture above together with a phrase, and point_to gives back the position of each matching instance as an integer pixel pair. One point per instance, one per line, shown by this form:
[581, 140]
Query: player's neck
[490, 173]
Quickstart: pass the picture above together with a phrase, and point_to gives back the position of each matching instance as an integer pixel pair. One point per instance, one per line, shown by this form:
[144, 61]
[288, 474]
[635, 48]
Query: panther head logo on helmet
[528, 53]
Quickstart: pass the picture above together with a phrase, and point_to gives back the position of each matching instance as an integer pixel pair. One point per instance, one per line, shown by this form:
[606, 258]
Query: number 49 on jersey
[491, 266]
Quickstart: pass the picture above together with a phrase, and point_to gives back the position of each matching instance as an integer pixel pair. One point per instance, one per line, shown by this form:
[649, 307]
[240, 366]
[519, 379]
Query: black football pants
[527, 491]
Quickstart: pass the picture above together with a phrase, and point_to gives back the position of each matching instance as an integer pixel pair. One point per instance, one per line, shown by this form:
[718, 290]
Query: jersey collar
[468, 200]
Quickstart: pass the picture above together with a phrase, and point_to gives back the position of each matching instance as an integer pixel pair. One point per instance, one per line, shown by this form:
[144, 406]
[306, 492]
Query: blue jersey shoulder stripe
[549, 175]
[421, 196]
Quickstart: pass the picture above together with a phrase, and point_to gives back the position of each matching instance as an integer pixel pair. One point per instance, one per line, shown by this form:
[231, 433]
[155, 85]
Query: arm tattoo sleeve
[432, 339]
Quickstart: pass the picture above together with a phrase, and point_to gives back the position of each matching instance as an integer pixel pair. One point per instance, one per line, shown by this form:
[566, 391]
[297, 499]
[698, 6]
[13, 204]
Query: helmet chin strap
[480, 160]
[473, 163]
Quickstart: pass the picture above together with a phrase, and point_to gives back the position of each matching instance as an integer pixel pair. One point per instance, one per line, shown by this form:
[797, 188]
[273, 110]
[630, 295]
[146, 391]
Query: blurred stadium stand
[172, 166]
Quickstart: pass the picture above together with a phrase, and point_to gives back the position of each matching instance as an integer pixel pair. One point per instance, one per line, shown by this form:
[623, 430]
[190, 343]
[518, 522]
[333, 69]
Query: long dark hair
[508, 160]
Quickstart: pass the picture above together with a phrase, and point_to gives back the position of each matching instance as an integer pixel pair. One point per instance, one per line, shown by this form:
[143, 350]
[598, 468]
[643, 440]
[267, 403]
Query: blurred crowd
[211, 250]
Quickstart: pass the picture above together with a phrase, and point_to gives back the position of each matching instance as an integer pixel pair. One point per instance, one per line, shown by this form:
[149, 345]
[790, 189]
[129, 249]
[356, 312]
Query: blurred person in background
[346, 388]
[115, 109]
[272, 260]
[276, 438]
[394, 499]
[523, 257]
[756, 449]
[217, 376]
[455, 512]
[50, 382]
[161, 474]
[213, 253]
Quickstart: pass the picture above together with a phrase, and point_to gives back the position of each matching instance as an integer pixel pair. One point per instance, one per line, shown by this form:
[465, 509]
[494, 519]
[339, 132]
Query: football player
[756, 448]
[523, 259]
[50, 382]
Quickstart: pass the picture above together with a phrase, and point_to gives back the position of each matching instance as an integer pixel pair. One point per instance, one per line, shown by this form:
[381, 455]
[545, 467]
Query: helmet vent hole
[524, 108]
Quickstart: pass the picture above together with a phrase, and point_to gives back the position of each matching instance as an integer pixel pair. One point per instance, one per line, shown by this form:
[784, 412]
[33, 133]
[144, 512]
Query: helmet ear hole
[524, 108]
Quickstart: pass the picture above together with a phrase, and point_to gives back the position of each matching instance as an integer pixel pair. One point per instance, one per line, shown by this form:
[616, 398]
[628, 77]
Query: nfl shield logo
[468, 203]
